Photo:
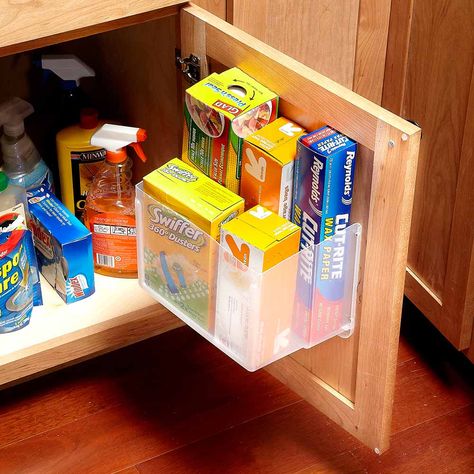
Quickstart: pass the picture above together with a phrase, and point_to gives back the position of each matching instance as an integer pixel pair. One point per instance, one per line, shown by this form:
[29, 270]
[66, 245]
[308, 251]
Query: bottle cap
[89, 118]
[3, 181]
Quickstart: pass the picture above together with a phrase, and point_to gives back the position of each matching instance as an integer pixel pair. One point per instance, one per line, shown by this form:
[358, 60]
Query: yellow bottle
[110, 204]
[78, 160]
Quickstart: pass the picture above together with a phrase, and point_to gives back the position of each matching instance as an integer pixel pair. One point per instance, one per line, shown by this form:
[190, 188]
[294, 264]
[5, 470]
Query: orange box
[267, 166]
[251, 319]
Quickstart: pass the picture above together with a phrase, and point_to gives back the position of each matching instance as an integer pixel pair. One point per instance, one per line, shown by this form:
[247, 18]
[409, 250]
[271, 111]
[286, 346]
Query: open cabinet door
[352, 380]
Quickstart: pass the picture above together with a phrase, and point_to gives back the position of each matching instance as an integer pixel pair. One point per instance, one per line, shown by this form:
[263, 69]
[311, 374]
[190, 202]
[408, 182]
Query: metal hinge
[190, 67]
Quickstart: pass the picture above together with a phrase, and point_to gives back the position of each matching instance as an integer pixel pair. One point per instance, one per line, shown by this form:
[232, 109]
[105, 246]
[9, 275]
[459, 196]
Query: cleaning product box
[63, 246]
[219, 112]
[322, 197]
[254, 309]
[20, 288]
[267, 166]
[183, 211]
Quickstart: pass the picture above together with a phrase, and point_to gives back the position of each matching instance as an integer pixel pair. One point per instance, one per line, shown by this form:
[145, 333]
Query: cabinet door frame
[394, 143]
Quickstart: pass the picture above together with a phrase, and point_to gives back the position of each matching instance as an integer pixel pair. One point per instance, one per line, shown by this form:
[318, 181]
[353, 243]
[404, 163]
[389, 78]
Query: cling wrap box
[322, 198]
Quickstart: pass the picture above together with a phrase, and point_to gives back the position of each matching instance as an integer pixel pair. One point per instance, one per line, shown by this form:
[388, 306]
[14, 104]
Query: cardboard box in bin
[219, 112]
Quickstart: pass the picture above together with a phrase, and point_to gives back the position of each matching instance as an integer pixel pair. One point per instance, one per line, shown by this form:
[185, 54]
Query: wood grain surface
[437, 92]
[28, 21]
[371, 48]
[174, 403]
[320, 34]
[371, 367]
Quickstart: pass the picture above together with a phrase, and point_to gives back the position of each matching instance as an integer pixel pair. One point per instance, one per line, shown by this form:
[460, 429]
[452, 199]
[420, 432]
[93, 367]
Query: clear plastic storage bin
[255, 318]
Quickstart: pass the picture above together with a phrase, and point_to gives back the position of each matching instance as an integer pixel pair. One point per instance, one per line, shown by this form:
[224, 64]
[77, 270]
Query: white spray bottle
[22, 162]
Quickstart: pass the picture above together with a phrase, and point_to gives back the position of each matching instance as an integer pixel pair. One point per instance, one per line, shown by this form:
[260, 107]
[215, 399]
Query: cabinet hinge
[190, 67]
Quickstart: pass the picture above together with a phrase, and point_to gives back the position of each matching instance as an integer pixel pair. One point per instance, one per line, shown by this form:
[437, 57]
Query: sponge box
[249, 319]
[267, 166]
[219, 112]
[183, 211]
[322, 198]
[63, 246]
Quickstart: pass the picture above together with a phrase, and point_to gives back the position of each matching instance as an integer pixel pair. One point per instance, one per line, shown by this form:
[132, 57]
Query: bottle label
[113, 240]
[85, 165]
[40, 176]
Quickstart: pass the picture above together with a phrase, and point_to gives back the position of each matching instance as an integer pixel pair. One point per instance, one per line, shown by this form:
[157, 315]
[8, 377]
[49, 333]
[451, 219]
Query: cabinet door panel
[354, 383]
[426, 82]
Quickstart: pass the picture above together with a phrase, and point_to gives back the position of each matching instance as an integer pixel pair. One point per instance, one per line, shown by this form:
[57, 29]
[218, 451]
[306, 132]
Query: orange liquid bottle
[109, 211]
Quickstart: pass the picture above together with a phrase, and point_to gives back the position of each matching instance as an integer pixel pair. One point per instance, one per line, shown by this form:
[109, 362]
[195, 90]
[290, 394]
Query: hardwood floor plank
[434, 381]
[71, 394]
[287, 440]
[442, 445]
[343, 463]
[421, 395]
[161, 408]
[128, 470]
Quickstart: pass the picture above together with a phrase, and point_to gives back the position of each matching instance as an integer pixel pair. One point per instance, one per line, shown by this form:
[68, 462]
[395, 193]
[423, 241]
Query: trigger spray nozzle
[69, 68]
[115, 138]
[12, 114]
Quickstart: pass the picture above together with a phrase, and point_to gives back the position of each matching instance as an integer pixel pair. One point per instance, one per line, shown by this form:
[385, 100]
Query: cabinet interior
[137, 84]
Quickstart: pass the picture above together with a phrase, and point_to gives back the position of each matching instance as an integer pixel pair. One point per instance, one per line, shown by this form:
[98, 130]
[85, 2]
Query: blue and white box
[322, 198]
[63, 246]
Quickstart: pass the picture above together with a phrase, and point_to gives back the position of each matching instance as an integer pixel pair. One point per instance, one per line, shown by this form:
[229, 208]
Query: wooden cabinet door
[429, 78]
[351, 380]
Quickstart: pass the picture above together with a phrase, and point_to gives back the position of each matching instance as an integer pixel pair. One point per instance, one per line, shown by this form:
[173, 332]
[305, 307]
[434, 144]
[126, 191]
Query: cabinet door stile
[390, 210]
[361, 404]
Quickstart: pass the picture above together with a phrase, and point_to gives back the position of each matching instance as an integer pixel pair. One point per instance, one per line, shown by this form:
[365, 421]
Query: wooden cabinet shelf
[118, 313]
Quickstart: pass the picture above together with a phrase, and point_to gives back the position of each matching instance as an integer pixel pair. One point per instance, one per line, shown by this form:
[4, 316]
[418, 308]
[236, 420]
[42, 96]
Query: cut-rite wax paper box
[322, 198]
[219, 112]
[183, 211]
[267, 166]
[63, 246]
[250, 319]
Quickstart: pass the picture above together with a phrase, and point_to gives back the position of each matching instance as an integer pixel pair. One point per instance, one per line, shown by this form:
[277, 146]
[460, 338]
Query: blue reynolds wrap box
[63, 246]
[20, 288]
[322, 198]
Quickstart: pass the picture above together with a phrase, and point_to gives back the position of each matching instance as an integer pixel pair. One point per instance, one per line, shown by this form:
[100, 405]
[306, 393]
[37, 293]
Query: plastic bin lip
[279, 311]
[354, 228]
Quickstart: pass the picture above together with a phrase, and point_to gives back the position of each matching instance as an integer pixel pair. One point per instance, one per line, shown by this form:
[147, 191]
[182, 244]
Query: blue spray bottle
[70, 70]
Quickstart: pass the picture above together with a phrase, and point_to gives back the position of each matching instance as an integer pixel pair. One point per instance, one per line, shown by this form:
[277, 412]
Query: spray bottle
[70, 69]
[22, 162]
[110, 205]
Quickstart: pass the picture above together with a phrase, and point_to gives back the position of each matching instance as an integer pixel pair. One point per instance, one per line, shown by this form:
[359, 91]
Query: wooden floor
[175, 404]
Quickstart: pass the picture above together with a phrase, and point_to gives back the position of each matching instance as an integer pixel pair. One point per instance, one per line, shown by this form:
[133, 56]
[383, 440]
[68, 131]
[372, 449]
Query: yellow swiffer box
[267, 166]
[193, 195]
[247, 319]
[219, 112]
[182, 212]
